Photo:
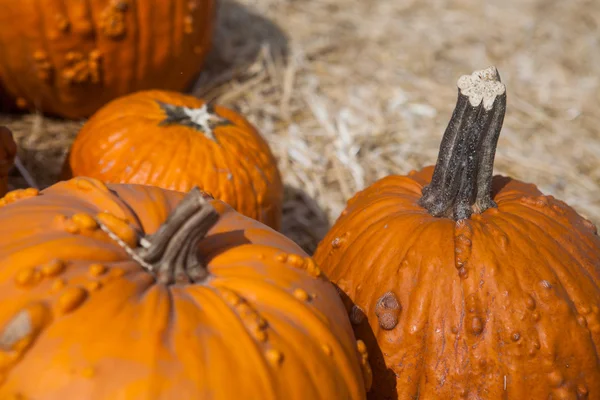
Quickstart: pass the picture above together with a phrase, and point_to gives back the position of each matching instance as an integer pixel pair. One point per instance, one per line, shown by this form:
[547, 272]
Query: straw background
[348, 91]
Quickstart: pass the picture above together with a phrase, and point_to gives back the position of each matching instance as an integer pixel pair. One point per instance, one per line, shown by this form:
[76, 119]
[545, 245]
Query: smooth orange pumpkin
[70, 57]
[8, 152]
[468, 285]
[176, 141]
[136, 292]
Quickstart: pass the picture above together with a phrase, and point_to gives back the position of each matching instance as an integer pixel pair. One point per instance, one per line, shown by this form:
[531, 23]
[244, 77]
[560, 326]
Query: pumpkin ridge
[579, 234]
[128, 213]
[179, 33]
[85, 140]
[162, 169]
[169, 167]
[482, 232]
[376, 257]
[351, 244]
[220, 284]
[306, 314]
[480, 325]
[256, 151]
[391, 193]
[267, 390]
[550, 255]
[131, 216]
[417, 316]
[45, 47]
[133, 165]
[230, 192]
[132, 7]
[233, 188]
[162, 305]
[252, 183]
[564, 245]
[256, 283]
[551, 341]
[373, 208]
[144, 47]
[248, 182]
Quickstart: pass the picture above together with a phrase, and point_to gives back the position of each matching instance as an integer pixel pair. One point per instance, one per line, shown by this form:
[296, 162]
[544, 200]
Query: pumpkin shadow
[43, 142]
[240, 35]
[384, 380]
[498, 183]
[304, 221]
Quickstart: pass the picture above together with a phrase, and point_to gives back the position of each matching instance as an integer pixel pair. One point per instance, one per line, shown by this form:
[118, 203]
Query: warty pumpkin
[136, 292]
[8, 152]
[70, 58]
[177, 141]
[467, 285]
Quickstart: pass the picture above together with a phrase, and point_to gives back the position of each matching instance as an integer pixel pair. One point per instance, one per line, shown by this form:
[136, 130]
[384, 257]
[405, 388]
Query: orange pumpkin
[70, 58]
[468, 285]
[136, 292]
[8, 152]
[176, 141]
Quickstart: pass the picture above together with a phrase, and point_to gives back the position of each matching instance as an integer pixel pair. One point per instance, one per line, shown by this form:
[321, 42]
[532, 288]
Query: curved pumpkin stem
[171, 253]
[462, 178]
[172, 250]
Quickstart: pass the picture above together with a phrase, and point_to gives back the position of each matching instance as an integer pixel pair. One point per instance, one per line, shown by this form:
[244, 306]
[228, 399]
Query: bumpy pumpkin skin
[266, 325]
[73, 57]
[127, 141]
[502, 306]
[8, 152]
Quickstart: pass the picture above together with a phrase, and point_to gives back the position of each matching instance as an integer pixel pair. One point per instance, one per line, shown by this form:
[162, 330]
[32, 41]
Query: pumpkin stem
[203, 119]
[462, 178]
[172, 251]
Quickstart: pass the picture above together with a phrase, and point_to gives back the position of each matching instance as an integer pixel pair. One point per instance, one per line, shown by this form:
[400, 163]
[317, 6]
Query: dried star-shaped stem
[203, 119]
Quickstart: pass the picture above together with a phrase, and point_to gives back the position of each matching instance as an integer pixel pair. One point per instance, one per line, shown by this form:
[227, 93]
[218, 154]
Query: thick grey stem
[488, 153]
[172, 250]
[461, 182]
[436, 195]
